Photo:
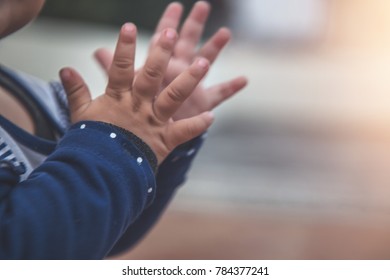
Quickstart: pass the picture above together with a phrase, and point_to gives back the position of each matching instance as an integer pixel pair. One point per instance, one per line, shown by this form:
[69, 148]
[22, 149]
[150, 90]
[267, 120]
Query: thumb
[76, 90]
[184, 130]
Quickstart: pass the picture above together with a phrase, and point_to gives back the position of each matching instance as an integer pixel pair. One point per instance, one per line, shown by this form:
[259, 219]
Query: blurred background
[297, 166]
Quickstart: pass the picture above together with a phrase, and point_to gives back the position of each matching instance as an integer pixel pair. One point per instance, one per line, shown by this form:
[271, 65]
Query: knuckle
[75, 89]
[166, 46]
[176, 95]
[123, 63]
[153, 72]
[190, 130]
[193, 130]
[195, 73]
[114, 93]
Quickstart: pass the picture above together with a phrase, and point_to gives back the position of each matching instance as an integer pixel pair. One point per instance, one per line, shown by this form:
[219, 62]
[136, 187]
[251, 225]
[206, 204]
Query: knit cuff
[140, 144]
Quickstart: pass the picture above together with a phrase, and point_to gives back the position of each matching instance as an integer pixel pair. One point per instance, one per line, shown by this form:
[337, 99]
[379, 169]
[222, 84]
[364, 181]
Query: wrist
[140, 144]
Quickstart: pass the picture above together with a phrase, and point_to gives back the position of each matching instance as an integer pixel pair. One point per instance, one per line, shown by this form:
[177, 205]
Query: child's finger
[170, 18]
[192, 30]
[76, 90]
[182, 131]
[104, 57]
[219, 93]
[215, 44]
[150, 77]
[177, 92]
[121, 73]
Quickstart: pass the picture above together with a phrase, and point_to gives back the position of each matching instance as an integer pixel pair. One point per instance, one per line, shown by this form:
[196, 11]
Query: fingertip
[203, 63]
[206, 119]
[225, 32]
[242, 82]
[236, 85]
[128, 27]
[104, 57]
[65, 74]
[222, 37]
[171, 16]
[209, 117]
[128, 31]
[199, 68]
[166, 39]
[170, 33]
[200, 11]
[99, 52]
[70, 77]
[175, 7]
[203, 5]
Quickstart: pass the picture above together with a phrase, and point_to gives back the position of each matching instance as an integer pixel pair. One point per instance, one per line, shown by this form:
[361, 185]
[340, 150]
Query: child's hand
[131, 101]
[203, 99]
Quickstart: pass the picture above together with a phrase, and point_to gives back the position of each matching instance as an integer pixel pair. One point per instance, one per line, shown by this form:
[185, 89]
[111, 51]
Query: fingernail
[171, 34]
[65, 74]
[128, 27]
[204, 63]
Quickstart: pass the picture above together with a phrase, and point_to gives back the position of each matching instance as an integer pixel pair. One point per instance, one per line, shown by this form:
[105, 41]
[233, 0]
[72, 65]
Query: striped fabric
[62, 103]
[8, 159]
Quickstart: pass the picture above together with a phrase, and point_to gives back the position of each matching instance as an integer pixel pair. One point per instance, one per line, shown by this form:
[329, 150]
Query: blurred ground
[297, 167]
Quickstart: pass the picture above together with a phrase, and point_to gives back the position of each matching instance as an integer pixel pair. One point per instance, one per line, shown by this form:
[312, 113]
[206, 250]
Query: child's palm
[185, 52]
[135, 101]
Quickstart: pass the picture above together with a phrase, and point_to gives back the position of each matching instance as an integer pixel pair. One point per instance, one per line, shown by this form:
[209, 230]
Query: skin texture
[131, 101]
[185, 52]
[164, 103]
[14, 14]
[11, 108]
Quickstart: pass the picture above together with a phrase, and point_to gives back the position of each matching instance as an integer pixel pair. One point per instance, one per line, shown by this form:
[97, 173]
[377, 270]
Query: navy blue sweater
[95, 194]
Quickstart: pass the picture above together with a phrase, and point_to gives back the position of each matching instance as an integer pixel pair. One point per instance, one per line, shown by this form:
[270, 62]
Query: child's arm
[171, 174]
[97, 182]
[79, 201]
[131, 101]
[173, 171]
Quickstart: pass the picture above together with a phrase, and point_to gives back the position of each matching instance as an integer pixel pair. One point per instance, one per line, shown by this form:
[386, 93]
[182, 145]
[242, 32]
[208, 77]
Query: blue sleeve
[79, 202]
[171, 174]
